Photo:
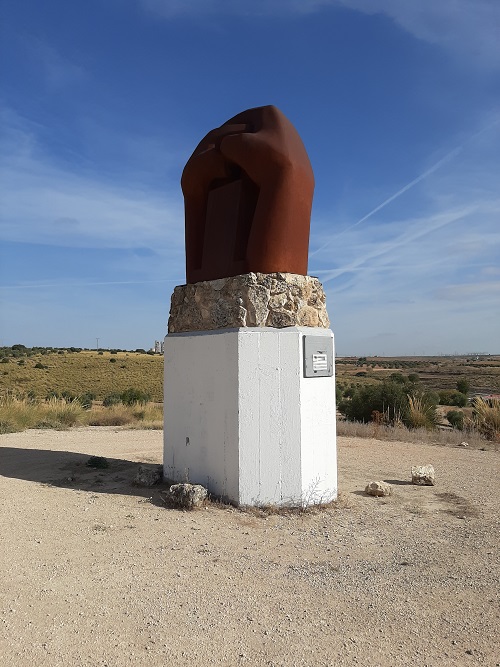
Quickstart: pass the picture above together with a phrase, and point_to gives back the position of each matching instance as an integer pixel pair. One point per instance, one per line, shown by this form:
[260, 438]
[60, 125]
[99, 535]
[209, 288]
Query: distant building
[158, 347]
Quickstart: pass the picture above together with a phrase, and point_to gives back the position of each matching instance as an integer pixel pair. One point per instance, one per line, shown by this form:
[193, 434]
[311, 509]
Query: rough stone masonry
[250, 300]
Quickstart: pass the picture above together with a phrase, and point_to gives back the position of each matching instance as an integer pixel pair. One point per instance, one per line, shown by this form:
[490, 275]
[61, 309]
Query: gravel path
[97, 572]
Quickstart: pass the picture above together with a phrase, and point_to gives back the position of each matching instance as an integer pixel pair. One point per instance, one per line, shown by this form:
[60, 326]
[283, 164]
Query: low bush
[86, 400]
[463, 386]
[452, 397]
[132, 395]
[456, 419]
[390, 403]
[111, 399]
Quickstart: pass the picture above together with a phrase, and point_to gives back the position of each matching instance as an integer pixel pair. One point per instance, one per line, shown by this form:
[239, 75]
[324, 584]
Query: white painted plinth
[241, 418]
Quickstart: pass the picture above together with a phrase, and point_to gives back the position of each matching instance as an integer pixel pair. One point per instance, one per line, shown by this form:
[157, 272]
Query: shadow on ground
[398, 482]
[70, 470]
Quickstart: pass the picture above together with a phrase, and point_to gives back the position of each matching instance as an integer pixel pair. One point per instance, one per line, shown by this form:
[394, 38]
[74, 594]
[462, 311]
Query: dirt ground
[97, 572]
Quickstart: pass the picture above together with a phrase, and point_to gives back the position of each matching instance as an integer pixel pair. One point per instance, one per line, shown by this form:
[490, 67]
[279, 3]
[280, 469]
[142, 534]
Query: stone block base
[242, 419]
[250, 300]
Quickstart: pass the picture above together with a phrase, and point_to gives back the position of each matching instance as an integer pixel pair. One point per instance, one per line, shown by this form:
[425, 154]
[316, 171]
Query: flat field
[97, 571]
[103, 374]
[435, 373]
[81, 372]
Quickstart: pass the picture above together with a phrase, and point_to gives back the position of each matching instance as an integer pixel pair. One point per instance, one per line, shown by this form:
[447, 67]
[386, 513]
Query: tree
[463, 386]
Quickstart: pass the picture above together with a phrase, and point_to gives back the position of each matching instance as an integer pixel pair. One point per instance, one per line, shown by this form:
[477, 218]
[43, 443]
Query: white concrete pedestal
[241, 418]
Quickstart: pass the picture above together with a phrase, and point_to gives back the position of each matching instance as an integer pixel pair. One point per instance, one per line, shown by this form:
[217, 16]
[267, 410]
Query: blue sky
[398, 104]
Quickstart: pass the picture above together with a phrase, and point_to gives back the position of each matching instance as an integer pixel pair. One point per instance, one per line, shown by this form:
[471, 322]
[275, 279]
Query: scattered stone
[463, 444]
[249, 300]
[148, 475]
[186, 496]
[98, 462]
[378, 489]
[422, 475]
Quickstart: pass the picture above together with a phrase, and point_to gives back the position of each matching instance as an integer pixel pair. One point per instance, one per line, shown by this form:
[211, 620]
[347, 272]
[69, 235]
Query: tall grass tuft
[486, 415]
[421, 413]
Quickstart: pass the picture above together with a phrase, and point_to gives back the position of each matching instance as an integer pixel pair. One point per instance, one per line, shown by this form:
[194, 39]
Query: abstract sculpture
[248, 190]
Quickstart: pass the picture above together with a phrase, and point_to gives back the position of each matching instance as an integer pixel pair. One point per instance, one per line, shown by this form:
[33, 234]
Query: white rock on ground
[378, 489]
[187, 496]
[422, 475]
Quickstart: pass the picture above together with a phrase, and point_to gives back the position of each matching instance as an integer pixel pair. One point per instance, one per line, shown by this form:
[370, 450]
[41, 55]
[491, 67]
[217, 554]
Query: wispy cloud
[137, 231]
[479, 290]
[414, 230]
[428, 172]
[46, 202]
[466, 28]
[53, 69]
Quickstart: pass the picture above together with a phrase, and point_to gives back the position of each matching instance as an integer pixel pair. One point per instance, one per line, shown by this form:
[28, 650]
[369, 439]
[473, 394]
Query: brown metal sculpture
[248, 190]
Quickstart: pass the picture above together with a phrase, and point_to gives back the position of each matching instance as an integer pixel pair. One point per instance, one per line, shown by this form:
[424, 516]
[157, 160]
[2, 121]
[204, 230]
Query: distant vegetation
[41, 372]
[392, 399]
[61, 387]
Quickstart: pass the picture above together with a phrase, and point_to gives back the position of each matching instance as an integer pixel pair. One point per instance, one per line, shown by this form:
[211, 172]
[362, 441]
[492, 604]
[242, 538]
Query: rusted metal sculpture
[248, 190]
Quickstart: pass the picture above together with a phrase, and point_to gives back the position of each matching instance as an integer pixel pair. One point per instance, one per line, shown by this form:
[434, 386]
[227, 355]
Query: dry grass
[149, 416]
[19, 414]
[251, 513]
[450, 437]
[421, 414]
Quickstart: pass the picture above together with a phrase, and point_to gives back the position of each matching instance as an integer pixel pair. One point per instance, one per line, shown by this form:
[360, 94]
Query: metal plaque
[318, 356]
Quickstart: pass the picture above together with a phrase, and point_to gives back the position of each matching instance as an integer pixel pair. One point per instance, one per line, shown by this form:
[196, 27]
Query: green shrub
[132, 395]
[456, 419]
[463, 386]
[112, 361]
[398, 377]
[390, 403]
[39, 365]
[86, 399]
[112, 399]
[452, 397]
[387, 398]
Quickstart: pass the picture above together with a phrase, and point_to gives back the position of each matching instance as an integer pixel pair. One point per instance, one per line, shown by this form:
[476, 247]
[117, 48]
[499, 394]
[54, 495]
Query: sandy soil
[97, 572]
